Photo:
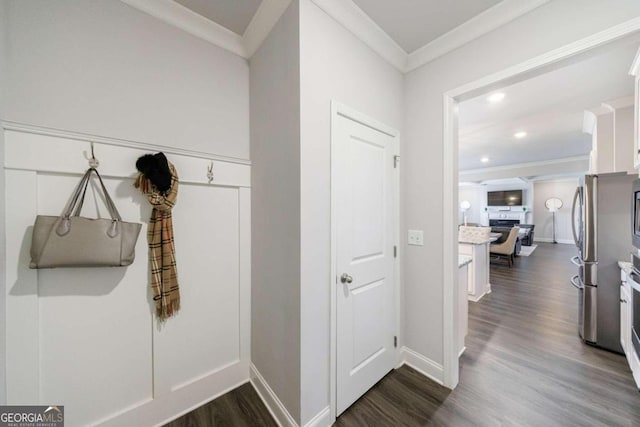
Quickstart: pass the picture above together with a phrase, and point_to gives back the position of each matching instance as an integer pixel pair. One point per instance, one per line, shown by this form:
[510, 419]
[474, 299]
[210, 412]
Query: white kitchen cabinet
[625, 318]
[463, 304]
[478, 281]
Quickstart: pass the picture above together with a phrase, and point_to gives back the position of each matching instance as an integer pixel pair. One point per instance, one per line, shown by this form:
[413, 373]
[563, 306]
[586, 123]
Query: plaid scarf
[162, 251]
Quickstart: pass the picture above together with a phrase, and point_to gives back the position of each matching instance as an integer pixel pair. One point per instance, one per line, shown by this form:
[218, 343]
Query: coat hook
[210, 172]
[93, 162]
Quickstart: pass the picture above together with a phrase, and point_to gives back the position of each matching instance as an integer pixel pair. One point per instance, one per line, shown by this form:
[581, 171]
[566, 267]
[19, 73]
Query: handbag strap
[77, 199]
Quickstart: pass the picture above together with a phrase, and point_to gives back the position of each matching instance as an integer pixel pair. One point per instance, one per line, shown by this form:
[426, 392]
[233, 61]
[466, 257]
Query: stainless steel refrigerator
[601, 219]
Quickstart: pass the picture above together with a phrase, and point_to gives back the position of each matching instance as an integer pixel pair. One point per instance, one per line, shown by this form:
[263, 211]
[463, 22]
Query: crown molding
[635, 66]
[350, 16]
[479, 25]
[620, 103]
[266, 17]
[187, 20]
[524, 165]
[347, 13]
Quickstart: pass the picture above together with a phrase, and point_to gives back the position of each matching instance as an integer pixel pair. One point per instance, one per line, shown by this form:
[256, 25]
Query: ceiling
[234, 15]
[406, 33]
[549, 107]
[412, 24]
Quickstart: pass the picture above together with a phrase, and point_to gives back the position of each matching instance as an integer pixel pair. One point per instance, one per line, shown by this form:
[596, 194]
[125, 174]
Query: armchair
[506, 248]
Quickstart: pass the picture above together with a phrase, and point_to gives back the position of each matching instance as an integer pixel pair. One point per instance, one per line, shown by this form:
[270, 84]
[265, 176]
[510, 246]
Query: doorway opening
[562, 59]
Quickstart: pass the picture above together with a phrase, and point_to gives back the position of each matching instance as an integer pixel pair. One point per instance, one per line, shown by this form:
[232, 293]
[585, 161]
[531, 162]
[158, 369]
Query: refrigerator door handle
[574, 279]
[575, 260]
[573, 217]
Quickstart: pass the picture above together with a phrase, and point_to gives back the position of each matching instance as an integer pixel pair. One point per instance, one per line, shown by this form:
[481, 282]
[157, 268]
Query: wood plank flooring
[240, 407]
[524, 366]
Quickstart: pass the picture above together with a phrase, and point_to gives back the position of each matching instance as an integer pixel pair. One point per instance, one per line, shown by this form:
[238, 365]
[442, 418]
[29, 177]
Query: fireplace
[503, 222]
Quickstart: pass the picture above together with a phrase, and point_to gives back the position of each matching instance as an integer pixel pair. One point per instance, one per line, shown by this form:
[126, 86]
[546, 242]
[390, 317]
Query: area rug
[527, 250]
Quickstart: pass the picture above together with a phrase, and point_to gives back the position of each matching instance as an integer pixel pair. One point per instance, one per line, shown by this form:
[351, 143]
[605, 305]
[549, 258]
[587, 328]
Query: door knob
[345, 278]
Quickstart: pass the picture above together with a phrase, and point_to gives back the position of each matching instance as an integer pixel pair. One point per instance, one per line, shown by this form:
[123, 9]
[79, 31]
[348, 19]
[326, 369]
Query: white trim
[620, 103]
[80, 136]
[173, 13]
[33, 152]
[450, 245]
[179, 16]
[270, 399]
[322, 419]
[423, 364]
[266, 17]
[488, 83]
[589, 123]
[524, 165]
[492, 18]
[479, 297]
[194, 406]
[518, 72]
[635, 66]
[333, 336]
[363, 119]
[338, 109]
[572, 178]
[350, 16]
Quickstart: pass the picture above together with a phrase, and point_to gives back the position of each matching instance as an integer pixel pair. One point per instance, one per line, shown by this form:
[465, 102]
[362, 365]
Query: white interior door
[365, 224]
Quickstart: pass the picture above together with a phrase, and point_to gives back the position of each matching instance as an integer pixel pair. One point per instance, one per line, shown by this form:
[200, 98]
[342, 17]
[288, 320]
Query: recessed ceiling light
[484, 159]
[520, 134]
[496, 97]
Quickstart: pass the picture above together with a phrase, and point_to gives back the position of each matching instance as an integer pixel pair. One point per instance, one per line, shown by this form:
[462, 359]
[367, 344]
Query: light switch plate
[416, 237]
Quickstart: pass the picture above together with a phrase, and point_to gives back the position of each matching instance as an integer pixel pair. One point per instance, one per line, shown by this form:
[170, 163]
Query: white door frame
[511, 75]
[338, 109]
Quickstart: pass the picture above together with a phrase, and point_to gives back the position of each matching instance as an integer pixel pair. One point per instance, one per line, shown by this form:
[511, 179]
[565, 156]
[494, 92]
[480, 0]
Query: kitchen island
[478, 284]
[464, 264]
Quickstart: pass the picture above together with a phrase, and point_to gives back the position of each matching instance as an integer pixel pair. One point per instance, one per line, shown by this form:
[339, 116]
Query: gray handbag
[75, 241]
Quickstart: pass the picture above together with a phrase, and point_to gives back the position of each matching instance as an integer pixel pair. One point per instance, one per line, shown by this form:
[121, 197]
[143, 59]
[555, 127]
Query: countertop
[625, 265]
[464, 260]
[483, 241]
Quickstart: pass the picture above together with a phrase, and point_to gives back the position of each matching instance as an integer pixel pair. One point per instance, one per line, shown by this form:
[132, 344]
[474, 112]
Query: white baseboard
[422, 364]
[162, 409]
[550, 240]
[271, 401]
[479, 297]
[322, 419]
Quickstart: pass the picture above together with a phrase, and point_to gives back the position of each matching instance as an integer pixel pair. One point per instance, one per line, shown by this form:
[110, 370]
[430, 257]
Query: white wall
[334, 65]
[105, 68]
[563, 190]
[623, 136]
[275, 150]
[477, 196]
[566, 21]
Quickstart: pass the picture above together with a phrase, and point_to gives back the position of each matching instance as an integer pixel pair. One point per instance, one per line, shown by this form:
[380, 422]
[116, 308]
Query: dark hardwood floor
[239, 408]
[524, 366]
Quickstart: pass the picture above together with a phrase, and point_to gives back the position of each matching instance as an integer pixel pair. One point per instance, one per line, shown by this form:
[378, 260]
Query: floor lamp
[464, 207]
[553, 205]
